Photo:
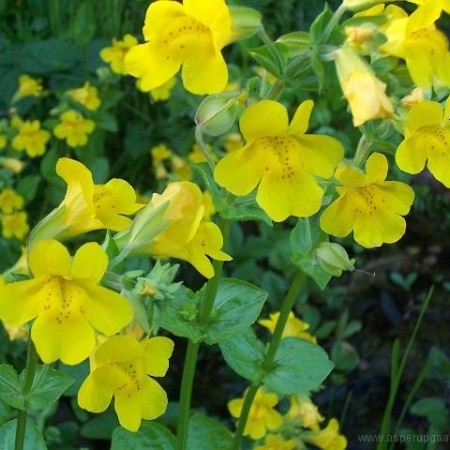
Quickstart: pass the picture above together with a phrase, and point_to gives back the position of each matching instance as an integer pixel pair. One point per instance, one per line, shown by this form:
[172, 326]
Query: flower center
[129, 379]
[365, 200]
[436, 139]
[280, 148]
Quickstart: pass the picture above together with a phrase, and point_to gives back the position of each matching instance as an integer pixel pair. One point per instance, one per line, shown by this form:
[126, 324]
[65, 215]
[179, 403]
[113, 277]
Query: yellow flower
[86, 206]
[66, 302]
[262, 416]
[417, 95]
[28, 87]
[15, 225]
[160, 153]
[232, 142]
[427, 141]
[187, 237]
[328, 438]
[303, 409]
[191, 35]
[208, 203]
[364, 92]
[74, 128]
[368, 205]
[115, 55]
[13, 164]
[281, 160]
[161, 92]
[196, 156]
[180, 168]
[31, 138]
[122, 367]
[9, 201]
[275, 442]
[86, 95]
[294, 327]
[416, 40]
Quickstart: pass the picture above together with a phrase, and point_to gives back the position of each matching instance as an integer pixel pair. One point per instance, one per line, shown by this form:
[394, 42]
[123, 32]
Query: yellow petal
[423, 114]
[89, 263]
[350, 176]
[376, 168]
[153, 399]
[159, 17]
[300, 121]
[117, 348]
[49, 257]
[240, 171]
[397, 196]
[338, 218]
[235, 407]
[264, 119]
[411, 154]
[298, 196]
[94, 394]
[439, 163]
[157, 351]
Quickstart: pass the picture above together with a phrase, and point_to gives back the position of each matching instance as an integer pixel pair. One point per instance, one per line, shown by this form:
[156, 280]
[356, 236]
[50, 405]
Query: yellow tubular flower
[28, 87]
[31, 138]
[15, 225]
[187, 237]
[191, 35]
[66, 301]
[262, 416]
[122, 367]
[416, 40]
[115, 55]
[364, 92]
[281, 160]
[86, 95]
[294, 326]
[9, 201]
[328, 438]
[275, 442]
[427, 141]
[74, 128]
[303, 410]
[368, 205]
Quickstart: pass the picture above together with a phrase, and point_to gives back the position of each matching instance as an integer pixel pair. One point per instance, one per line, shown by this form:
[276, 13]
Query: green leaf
[48, 385]
[33, 438]
[27, 187]
[150, 436]
[10, 388]
[319, 25]
[264, 58]
[205, 434]
[83, 25]
[106, 121]
[78, 373]
[296, 42]
[244, 353]
[344, 356]
[236, 307]
[101, 426]
[300, 366]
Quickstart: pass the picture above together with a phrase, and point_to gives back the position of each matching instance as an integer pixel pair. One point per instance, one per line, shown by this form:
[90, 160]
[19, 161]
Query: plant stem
[333, 23]
[271, 48]
[362, 151]
[286, 308]
[203, 148]
[190, 362]
[386, 422]
[30, 370]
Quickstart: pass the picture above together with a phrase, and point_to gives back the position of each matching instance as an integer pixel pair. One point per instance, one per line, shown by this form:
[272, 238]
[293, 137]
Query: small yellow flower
[31, 138]
[15, 225]
[66, 301]
[294, 327]
[281, 160]
[364, 92]
[115, 55]
[303, 410]
[275, 442]
[189, 34]
[13, 164]
[9, 201]
[87, 95]
[122, 367]
[262, 416]
[28, 87]
[427, 141]
[180, 168]
[417, 95]
[368, 205]
[162, 92]
[232, 142]
[415, 39]
[160, 153]
[74, 128]
[327, 438]
[196, 156]
[187, 237]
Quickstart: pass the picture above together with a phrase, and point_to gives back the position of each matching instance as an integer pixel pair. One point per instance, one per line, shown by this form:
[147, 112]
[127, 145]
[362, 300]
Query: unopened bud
[245, 22]
[333, 258]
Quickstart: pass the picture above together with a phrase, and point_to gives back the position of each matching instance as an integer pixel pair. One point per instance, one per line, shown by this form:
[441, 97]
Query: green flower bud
[333, 258]
[245, 22]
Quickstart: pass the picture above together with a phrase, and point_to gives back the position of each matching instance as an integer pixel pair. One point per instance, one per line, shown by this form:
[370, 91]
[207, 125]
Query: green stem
[271, 48]
[30, 370]
[276, 90]
[186, 393]
[386, 422]
[333, 23]
[190, 363]
[203, 148]
[286, 308]
[362, 151]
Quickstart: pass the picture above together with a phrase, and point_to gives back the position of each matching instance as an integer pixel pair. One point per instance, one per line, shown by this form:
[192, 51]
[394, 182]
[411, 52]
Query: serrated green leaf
[48, 385]
[33, 437]
[244, 353]
[300, 366]
[149, 436]
[205, 434]
[236, 307]
[10, 387]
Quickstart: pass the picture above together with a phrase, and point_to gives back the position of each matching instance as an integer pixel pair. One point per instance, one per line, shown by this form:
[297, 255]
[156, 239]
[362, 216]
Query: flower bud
[333, 258]
[245, 22]
[358, 5]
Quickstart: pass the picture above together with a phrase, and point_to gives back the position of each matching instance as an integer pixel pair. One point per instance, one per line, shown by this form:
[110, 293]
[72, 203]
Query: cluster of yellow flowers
[13, 218]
